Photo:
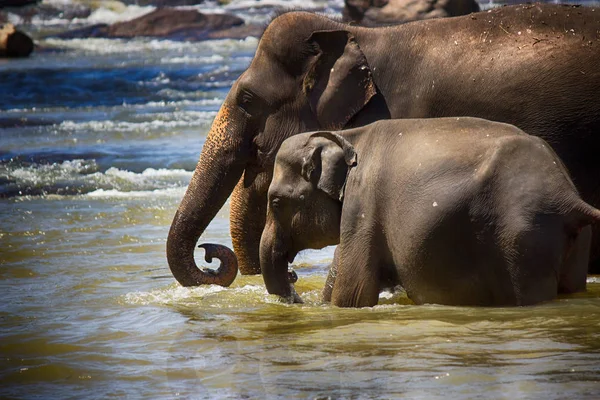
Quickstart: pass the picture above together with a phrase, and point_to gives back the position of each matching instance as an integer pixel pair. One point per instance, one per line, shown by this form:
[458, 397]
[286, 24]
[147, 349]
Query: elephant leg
[594, 264]
[247, 220]
[594, 254]
[573, 273]
[587, 182]
[537, 259]
[357, 277]
[594, 259]
[330, 282]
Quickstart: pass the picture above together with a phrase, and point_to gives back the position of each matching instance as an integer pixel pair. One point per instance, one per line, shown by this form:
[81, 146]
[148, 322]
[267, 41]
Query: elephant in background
[459, 211]
[535, 66]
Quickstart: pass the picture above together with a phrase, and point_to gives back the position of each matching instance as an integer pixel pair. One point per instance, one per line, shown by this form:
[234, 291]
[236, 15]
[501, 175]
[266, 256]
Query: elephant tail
[585, 214]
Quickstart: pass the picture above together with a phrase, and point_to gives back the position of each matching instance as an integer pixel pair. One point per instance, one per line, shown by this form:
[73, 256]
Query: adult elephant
[535, 66]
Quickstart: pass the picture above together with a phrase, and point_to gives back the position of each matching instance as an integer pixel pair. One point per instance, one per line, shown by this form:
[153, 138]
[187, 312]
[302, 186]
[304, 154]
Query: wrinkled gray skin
[459, 211]
[312, 73]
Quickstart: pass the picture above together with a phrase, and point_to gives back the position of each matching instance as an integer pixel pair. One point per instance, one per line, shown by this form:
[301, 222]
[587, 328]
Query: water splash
[175, 119]
[80, 176]
[172, 295]
[145, 45]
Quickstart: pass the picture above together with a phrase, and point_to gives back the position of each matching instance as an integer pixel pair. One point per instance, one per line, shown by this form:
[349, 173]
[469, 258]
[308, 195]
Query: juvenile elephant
[459, 211]
[535, 66]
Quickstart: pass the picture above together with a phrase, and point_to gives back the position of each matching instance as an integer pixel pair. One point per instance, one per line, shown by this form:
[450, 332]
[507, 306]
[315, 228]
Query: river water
[97, 145]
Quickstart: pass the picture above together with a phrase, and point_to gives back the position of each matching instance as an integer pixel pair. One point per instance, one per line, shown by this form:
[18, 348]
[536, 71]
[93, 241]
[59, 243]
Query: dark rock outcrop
[171, 23]
[164, 3]
[14, 43]
[44, 11]
[391, 12]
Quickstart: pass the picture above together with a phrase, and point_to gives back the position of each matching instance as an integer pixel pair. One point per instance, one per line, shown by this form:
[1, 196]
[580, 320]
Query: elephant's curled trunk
[221, 165]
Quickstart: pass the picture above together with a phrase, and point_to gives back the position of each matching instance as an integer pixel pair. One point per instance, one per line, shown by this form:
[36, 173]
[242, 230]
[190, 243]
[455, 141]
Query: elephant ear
[330, 157]
[339, 82]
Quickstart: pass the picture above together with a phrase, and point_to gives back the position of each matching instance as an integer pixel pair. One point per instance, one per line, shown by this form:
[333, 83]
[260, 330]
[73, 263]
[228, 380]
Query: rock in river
[171, 23]
[14, 43]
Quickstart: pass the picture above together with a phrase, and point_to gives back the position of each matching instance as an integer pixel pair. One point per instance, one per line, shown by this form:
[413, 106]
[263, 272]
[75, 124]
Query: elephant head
[308, 74]
[304, 203]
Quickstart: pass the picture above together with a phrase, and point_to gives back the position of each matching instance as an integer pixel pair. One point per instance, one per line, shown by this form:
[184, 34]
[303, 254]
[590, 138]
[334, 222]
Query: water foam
[178, 294]
[149, 179]
[146, 45]
[160, 121]
[115, 46]
[116, 194]
[107, 12]
[104, 15]
[213, 59]
[75, 177]
[186, 103]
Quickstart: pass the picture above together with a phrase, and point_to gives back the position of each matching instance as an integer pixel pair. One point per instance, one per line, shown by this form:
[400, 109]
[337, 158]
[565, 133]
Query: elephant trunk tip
[296, 297]
[227, 271]
[292, 298]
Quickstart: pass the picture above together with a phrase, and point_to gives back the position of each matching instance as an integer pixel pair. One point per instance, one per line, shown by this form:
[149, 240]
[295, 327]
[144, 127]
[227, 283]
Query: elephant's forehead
[286, 38]
[288, 147]
[288, 30]
[293, 145]
[283, 167]
[286, 168]
[282, 184]
[290, 162]
[267, 78]
[260, 68]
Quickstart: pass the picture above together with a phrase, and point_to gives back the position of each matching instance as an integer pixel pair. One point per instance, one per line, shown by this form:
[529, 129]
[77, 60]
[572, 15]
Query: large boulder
[165, 22]
[390, 12]
[48, 11]
[171, 23]
[14, 43]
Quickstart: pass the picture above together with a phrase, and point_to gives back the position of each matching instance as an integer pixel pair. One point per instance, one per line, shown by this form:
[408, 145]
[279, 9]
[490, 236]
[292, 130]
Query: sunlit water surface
[97, 146]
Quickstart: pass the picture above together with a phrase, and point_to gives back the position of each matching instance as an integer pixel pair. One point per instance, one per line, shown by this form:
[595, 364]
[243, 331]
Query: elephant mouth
[289, 256]
[292, 276]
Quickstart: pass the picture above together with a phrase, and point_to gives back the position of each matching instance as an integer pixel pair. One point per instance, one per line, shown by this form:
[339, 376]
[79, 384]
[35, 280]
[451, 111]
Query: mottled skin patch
[216, 140]
[217, 136]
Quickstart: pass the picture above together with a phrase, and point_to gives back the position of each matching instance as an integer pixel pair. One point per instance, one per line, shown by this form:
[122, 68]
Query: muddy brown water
[90, 310]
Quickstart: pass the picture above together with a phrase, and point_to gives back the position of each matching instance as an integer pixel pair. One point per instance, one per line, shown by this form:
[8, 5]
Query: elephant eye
[252, 104]
[246, 99]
